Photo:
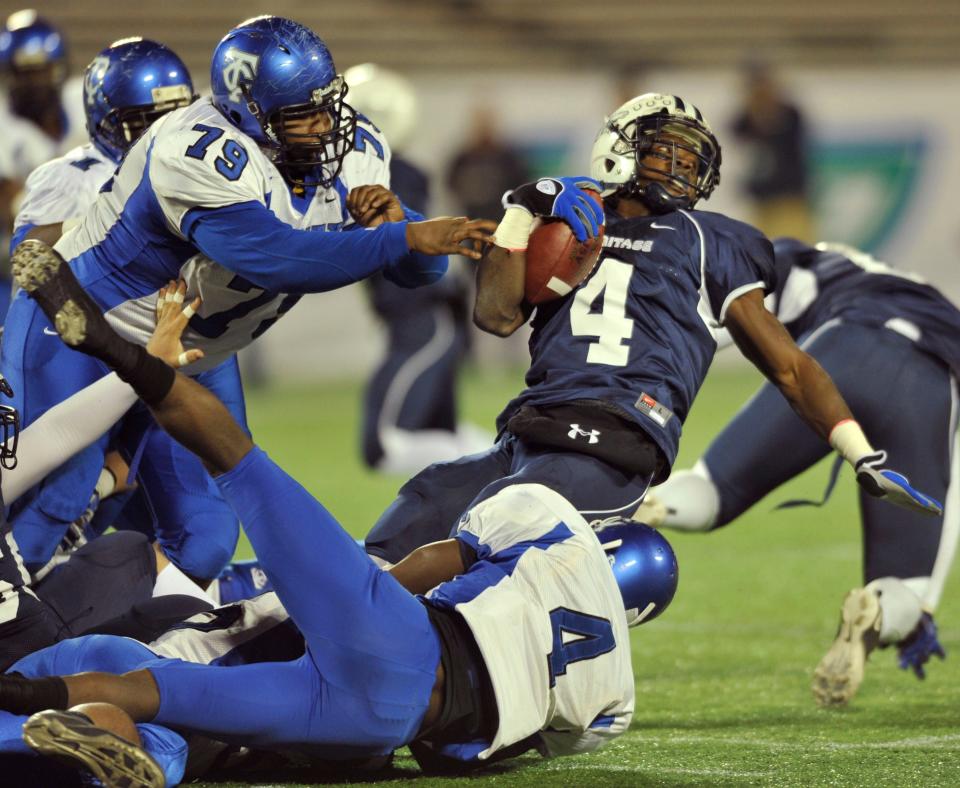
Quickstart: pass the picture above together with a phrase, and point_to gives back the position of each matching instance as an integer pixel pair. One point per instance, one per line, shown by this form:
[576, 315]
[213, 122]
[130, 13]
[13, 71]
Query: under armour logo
[240, 66]
[593, 436]
[95, 74]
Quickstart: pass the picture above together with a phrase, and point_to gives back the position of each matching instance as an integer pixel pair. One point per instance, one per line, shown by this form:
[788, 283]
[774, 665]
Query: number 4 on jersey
[576, 637]
[611, 325]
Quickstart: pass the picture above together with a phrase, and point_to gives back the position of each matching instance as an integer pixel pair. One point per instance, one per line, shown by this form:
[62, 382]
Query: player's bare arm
[499, 307]
[766, 343]
[446, 235]
[48, 233]
[814, 397]
[430, 565]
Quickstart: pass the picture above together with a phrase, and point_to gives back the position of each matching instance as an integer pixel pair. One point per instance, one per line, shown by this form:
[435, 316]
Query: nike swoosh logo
[50, 332]
[656, 226]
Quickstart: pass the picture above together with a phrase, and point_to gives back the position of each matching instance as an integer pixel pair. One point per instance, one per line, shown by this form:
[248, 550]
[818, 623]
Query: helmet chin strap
[656, 197]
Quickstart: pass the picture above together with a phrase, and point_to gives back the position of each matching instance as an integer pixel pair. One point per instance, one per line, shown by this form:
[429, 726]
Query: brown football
[556, 261]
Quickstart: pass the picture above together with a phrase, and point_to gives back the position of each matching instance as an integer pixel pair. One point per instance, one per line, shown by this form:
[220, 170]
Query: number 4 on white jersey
[611, 325]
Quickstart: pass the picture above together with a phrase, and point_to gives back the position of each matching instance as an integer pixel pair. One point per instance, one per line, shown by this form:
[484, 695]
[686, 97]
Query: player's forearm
[48, 233]
[499, 307]
[428, 566]
[249, 240]
[813, 396]
[417, 270]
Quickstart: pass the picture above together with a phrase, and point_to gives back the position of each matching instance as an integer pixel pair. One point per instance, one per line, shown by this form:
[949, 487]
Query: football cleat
[651, 511]
[37, 268]
[48, 280]
[71, 737]
[915, 650]
[840, 673]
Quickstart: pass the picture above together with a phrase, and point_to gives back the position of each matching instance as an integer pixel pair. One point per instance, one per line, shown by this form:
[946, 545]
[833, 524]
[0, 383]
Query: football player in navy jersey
[616, 364]
[891, 343]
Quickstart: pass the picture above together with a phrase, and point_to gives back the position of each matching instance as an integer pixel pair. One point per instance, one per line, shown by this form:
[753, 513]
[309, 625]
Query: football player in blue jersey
[891, 343]
[228, 194]
[616, 363]
[380, 667]
[36, 121]
[410, 403]
[126, 87]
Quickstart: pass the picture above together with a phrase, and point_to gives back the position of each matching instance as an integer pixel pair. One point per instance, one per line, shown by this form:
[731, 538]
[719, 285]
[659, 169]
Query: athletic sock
[20, 695]
[150, 377]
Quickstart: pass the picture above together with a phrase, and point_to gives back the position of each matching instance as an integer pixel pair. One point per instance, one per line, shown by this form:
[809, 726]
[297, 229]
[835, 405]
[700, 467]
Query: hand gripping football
[556, 261]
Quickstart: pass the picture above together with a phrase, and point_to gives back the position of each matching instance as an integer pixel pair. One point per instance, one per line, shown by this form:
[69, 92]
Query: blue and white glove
[562, 198]
[868, 463]
[881, 482]
[916, 649]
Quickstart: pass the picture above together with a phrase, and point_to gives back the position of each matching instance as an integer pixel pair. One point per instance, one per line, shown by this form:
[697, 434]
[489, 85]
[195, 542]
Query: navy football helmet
[127, 87]
[270, 71]
[656, 125]
[33, 57]
[644, 565]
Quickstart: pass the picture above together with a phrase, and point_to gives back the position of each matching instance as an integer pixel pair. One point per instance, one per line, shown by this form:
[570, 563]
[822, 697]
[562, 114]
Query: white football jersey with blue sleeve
[133, 241]
[63, 188]
[253, 630]
[548, 617]
[24, 146]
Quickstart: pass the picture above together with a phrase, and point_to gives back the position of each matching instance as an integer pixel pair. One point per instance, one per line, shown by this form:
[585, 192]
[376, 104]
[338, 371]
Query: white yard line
[705, 772]
[949, 741]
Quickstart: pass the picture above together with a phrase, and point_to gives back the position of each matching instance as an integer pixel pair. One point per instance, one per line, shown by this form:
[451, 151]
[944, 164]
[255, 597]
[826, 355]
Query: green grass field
[723, 677]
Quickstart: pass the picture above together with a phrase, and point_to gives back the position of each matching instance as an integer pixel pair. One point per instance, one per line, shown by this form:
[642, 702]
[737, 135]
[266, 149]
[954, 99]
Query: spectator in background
[481, 172]
[777, 179]
[410, 405]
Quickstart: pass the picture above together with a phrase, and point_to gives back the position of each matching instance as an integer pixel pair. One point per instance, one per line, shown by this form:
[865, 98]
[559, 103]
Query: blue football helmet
[644, 565]
[33, 57]
[28, 42]
[271, 70]
[127, 87]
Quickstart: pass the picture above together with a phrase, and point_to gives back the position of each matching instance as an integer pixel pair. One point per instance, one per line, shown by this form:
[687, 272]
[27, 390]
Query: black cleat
[71, 737]
[47, 278]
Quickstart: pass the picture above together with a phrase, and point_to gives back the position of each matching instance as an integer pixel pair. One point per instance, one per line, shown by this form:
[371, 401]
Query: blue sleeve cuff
[19, 234]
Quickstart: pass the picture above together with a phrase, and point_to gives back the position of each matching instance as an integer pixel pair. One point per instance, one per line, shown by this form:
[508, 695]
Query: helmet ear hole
[644, 566]
[608, 165]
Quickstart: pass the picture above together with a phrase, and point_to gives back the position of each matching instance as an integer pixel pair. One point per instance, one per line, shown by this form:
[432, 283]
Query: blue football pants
[364, 683]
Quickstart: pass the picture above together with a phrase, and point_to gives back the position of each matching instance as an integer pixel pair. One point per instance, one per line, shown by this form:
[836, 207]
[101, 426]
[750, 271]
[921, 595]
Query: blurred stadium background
[723, 679]
[876, 81]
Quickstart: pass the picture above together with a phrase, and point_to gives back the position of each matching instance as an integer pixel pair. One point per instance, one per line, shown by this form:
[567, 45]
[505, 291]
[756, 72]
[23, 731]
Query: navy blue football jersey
[837, 282]
[640, 332]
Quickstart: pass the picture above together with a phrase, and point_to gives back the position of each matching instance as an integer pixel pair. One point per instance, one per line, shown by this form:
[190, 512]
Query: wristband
[513, 232]
[848, 439]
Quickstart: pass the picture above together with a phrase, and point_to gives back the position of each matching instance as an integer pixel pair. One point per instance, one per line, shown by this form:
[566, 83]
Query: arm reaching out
[814, 397]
